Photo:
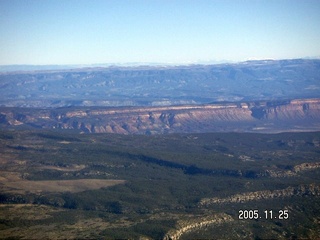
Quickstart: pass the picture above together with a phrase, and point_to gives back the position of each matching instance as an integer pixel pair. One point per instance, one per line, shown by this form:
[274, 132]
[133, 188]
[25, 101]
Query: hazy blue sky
[94, 31]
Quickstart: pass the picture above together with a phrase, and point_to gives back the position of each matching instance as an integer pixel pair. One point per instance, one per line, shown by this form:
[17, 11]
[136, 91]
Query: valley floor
[60, 185]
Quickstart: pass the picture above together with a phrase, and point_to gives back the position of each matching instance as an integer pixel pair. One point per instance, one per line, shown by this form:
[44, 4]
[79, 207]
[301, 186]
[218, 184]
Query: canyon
[160, 152]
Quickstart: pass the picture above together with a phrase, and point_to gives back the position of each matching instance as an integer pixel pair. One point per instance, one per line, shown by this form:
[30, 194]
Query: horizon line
[141, 64]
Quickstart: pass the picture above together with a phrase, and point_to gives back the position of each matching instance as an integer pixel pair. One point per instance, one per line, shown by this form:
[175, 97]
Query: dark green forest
[166, 178]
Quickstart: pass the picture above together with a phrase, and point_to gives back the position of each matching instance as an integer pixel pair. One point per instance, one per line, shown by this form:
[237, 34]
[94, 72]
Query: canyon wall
[263, 116]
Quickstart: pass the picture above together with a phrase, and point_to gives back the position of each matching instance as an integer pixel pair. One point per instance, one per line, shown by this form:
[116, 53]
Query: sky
[45, 32]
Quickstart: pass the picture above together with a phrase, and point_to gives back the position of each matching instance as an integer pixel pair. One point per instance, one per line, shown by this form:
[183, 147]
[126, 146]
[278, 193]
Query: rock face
[263, 116]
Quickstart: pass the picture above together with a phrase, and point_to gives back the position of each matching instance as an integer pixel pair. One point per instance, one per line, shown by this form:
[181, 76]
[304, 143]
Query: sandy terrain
[11, 182]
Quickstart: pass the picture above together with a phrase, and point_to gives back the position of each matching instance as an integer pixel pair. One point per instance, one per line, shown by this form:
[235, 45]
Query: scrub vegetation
[70, 185]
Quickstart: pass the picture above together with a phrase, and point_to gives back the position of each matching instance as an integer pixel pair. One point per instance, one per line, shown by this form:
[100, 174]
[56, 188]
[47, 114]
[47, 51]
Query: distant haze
[161, 85]
[60, 32]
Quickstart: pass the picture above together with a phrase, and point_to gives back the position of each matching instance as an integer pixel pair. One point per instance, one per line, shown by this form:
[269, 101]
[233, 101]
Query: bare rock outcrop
[294, 171]
[306, 166]
[219, 117]
[195, 224]
[301, 190]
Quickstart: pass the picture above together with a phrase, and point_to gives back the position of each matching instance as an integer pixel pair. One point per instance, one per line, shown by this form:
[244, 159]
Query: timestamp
[266, 214]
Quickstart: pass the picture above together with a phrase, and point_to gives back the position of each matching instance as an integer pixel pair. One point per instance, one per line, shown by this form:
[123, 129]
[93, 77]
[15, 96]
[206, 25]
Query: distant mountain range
[161, 85]
[26, 67]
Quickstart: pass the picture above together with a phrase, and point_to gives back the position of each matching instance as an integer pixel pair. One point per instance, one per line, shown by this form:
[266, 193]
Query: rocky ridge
[301, 190]
[191, 225]
[295, 170]
[262, 116]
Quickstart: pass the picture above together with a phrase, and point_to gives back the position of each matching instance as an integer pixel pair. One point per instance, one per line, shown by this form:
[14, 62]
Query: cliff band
[262, 116]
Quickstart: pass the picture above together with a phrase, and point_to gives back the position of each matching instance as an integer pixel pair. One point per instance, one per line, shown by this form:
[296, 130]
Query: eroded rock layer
[263, 116]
